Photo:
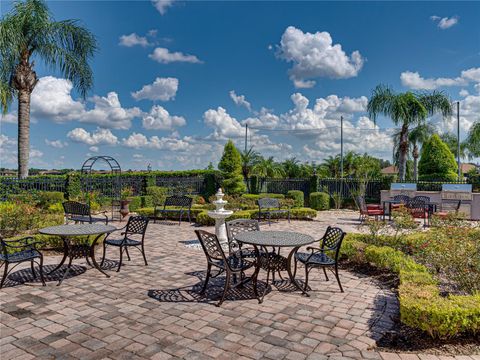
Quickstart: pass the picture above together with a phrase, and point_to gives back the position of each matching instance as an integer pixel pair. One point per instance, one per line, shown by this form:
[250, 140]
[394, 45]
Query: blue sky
[175, 79]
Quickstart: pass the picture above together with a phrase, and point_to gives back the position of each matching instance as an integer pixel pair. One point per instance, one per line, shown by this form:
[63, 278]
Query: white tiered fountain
[219, 214]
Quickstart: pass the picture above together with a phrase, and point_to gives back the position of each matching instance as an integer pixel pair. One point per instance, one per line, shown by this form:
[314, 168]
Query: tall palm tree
[291, 168]
[407, 110]
[332, 163]
[472, 142]
[249, 159]
[29, 32]
[268, 168]
[416, 137]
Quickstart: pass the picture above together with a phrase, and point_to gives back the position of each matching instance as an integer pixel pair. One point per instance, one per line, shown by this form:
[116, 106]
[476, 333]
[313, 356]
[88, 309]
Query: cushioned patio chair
[18, 251]
[325, 257]
[403, 201]
[368, 210]
[232, 265]
[136, 227]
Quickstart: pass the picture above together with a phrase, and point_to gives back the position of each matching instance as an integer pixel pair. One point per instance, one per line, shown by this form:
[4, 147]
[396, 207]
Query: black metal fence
[282, 186]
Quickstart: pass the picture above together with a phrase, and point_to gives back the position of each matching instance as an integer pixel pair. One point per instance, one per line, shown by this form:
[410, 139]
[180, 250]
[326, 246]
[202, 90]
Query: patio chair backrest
[404, 199]
[267, 203]
[179, 200]
[332, 240]
[136, 225]
[76, 208]
[210, 245]
[238, 226]
[423, 198]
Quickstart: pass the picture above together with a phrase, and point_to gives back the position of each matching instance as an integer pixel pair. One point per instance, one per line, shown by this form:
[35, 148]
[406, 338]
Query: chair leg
[104, 252]
[289, 216]
[209, 268]
[325, 272]
[225, 289]
[41, 271]
[143, 253]
[121, 257]
[189, 219]
[295, 264]
[5, 273]
[338, 279]
[33, 269]
[306, 278]
[128, 254]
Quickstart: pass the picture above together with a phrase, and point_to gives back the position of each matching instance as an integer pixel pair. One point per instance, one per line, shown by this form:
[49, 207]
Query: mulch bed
[404, 339]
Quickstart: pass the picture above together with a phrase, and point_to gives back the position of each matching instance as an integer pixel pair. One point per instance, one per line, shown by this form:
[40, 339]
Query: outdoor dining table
[73, 249]
[262, 240]
[430, 206]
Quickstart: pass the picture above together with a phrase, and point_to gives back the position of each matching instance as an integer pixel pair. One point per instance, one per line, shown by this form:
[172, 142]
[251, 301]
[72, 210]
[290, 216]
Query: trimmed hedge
[298, 197]
[261, 196]
[47, 198]
[319, 201]
[421, 305]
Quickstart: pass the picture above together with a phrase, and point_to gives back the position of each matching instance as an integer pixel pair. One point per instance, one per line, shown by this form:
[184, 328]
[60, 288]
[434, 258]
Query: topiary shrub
[158, 194]
[297, 196]
[319, 201]
[264, 195]
[437, 162]
[231, 166]
[135, 203]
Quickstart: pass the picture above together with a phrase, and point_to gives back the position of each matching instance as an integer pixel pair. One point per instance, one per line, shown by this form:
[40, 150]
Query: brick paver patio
[155, 311]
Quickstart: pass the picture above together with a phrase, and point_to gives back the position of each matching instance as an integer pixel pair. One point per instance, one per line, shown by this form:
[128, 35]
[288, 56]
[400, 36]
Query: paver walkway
[155, 311]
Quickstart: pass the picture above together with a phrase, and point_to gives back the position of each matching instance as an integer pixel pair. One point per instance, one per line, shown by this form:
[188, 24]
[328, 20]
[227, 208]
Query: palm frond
[436, 101]
[380, 102]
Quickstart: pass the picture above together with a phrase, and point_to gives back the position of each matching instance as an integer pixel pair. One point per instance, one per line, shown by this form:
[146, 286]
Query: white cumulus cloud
[164, 56]
[224, 125]
[132, 40]
[315, 56]
[59, 144]
[240, 100]
[163, 89]
[98, 137]
[162, 5]
[414, 80]
[445, 22]
[159, 119]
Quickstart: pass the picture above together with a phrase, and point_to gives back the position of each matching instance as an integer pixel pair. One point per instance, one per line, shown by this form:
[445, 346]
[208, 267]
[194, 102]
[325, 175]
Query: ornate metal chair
[449, 207]
[232, 265]
[24, 251]
[402, 199]
[419, 208]
[235, 227]
[136, 226]
[368, 210]
[80, 213]
[320, 257]
[184, 203]
[269, 207]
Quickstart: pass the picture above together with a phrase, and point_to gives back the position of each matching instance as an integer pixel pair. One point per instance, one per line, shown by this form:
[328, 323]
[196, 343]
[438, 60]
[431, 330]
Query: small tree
[231, 166]
[437, 161]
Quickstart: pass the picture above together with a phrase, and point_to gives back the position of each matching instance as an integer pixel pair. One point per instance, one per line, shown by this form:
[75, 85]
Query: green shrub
[231, 166]
[146, 201]
[73, 187]
[158, 194]
[297, 196]
[56, 208]
[47, 198]
[261, 196]
[295, 214]
[437, 162]
[319, 201]
[135, 203]
[421, 305]
[204, 220]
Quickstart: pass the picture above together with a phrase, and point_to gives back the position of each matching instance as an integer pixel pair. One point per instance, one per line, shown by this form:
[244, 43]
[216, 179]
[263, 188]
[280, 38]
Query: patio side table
[77, 250]
[276, 239]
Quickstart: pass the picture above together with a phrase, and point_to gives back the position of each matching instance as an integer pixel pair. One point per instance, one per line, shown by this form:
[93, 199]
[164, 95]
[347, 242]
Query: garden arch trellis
[114, 183]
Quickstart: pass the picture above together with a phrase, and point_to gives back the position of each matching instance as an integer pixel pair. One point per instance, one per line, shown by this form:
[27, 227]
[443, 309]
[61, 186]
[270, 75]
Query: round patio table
[74, 249]
[276, 239]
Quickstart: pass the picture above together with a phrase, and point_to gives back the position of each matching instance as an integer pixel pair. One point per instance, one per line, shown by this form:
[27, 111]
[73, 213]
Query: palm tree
[472, 142]
[332, 163]
[416, 137]
[452, 142]
[407, 110]
[268, 168]
[29, 32]
[292, 168]
[249, 159]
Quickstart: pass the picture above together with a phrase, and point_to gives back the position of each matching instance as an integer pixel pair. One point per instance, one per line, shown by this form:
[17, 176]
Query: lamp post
[458, 142]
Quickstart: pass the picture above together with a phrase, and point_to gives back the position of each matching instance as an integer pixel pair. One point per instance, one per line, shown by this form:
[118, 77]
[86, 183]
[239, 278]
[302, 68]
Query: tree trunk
[415, 162]
[23, 133]
[24, 80]
[402, 159]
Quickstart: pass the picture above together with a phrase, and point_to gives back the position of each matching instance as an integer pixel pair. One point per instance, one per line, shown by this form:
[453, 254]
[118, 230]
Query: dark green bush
[297, 196]
[158, 194]
[146, 201]
[135, 203]
[437, 162]
[264, 195]
[47, 198]
[319, 201]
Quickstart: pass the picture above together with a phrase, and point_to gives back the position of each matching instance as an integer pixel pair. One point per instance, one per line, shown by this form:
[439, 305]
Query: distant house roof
[390, 170]
[467, 167]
